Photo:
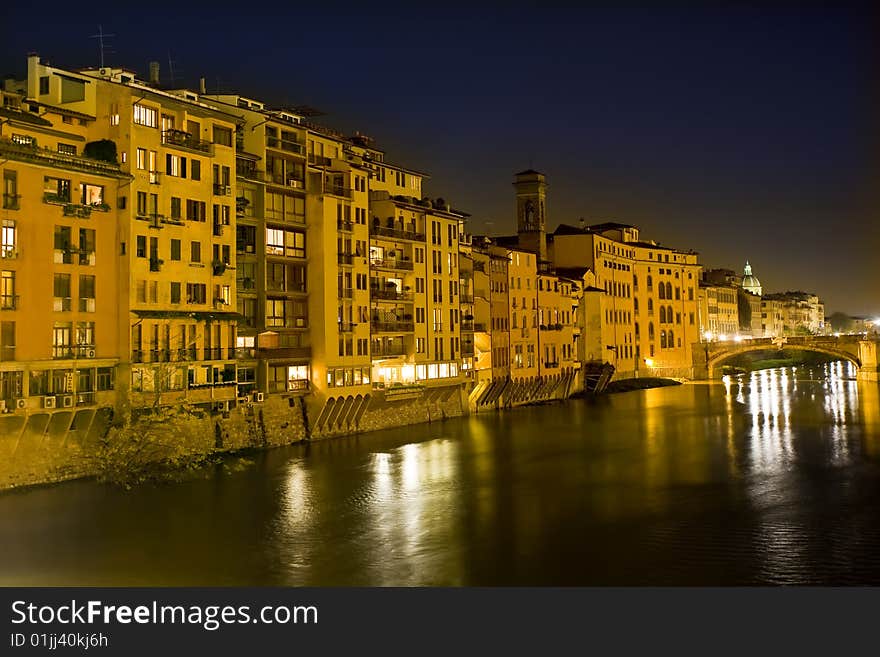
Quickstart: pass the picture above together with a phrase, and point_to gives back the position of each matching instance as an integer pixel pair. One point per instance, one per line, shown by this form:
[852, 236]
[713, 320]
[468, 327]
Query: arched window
[669, 315]
[662, 291]
[668, 290]
[650, 282]
[671, 340]
[650, 305]
[663, 339]
[662, 315]
[651, 331]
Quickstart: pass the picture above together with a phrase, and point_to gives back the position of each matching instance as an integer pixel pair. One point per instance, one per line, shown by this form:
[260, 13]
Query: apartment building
[174, 233]
[60, 345]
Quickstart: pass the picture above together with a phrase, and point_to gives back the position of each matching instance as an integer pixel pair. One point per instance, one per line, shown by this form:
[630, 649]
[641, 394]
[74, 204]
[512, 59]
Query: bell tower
[531, 217]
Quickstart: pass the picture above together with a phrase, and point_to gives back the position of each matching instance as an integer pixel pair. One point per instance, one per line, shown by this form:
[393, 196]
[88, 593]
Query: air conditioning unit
[223, 406]
[90, 353]
[258, 397]
[48, 402]
[227, 190]
[20, 403]
[67, 401]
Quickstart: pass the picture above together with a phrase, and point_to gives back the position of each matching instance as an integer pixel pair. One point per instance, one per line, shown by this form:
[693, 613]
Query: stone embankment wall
[52, 447]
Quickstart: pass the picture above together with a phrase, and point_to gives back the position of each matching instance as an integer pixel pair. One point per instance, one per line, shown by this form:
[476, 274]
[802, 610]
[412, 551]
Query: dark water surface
[772, 478]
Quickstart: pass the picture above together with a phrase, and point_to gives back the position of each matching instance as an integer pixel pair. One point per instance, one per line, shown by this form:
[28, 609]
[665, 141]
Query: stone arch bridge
[859, 349]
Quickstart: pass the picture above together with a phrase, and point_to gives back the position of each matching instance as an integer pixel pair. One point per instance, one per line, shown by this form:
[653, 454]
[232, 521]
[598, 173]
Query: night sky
[740, 133]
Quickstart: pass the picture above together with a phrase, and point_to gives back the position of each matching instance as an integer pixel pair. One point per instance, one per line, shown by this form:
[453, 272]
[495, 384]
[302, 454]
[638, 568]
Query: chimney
[202, 86]
[154, 74]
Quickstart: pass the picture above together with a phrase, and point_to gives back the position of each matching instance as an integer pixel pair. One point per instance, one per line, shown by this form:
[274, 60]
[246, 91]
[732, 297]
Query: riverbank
[643, 383]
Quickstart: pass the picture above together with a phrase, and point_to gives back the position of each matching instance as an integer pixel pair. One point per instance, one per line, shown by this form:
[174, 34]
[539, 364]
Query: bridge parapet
[859, 350]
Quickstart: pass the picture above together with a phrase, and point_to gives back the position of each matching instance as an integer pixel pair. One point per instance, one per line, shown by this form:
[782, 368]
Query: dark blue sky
[739, 132]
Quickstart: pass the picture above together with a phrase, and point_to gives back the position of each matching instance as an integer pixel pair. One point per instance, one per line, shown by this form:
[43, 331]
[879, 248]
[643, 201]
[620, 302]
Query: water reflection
[770, 477]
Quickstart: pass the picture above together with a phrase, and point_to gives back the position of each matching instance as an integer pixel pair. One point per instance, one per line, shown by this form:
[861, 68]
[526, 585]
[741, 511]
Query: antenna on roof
[100, 36]
[171, 75]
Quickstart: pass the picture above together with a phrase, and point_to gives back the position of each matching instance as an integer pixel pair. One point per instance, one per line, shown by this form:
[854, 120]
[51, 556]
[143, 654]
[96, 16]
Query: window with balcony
[286, 313]
[8, 239]
[62, 333]
[86, 246]
[10, 190]
[246, 239]
[56, 190]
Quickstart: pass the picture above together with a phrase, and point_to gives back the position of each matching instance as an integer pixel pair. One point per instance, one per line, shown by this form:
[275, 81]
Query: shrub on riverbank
[164, 444]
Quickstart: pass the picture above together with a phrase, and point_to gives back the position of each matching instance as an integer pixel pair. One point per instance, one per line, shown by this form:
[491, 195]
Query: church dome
[750, 282]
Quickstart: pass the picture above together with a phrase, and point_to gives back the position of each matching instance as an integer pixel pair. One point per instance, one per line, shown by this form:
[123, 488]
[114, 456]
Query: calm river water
[773, 478]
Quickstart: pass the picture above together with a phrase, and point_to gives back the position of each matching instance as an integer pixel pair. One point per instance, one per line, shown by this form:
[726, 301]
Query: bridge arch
[718, 353]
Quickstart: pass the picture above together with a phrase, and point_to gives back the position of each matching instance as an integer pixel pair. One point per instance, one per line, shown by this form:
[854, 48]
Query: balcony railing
[344, 258]
[288, 145]
[213, 353]
[344, 226]
[291, 385]
[346, 327]
[552, 364]
[391, 263]
[137, 356]
[319, 160]
[467, 325]
[466, 298]
[392, 326]
[160, 355]
[481, 327]
[8, 302]
[155, 177]
[185, 140]
[390, 349]
[551, 327]
[346, 293]
[398, 234]
[29, 153]
[222, 190]
[337, 190]
[390, 294]
[10, 201]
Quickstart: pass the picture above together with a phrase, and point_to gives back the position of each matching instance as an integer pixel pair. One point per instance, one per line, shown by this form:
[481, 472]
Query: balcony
[481, 327]
[160, 355]
[289, 145]
[156, 264]
[389, 349]
[8, 301]
[185, 141]
[213, 353]
[187, 354]
[552, 364]
[344, 258]
[392, 326]
[551, 327]
[291, 385]
[77, 210]
[344, 226]
[222, 190]
[346, 327]
[337, 190]
[245, 353]
[319, 160]
[137, 356]
[390, 294]
[397, 234]
[391, 263]
[467, 325]
[346, 293]
[155, 177]
[11, 201]
[465, 298]
[293, 353]
[248, 170]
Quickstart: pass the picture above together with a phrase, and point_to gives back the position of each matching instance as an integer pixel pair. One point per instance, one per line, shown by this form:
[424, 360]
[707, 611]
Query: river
[770, 478]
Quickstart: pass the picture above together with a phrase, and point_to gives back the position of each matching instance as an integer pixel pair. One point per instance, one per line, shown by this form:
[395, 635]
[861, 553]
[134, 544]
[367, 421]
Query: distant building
[750, 282]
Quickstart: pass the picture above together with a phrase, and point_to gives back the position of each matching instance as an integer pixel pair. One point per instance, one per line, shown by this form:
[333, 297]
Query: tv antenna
[171, 75]
[100, 36]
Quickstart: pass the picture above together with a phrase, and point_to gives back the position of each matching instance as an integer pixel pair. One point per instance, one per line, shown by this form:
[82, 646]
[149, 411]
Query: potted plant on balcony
[219, 267]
